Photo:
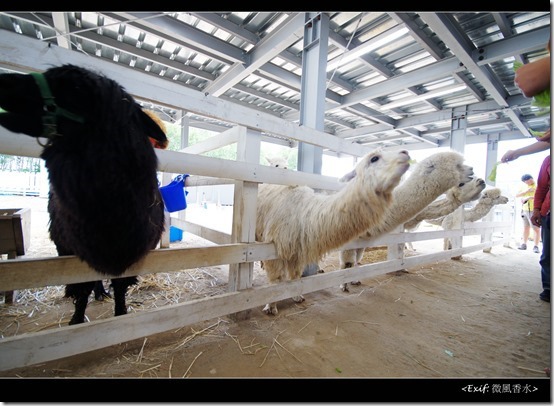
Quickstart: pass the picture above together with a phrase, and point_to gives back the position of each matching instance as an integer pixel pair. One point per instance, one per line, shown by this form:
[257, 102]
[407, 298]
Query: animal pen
[238, 249]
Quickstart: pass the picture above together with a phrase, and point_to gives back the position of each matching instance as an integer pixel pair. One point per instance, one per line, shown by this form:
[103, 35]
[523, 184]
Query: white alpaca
[277, 162]
[430, 178]
[463, 193]
[304, 225]
[489, 198]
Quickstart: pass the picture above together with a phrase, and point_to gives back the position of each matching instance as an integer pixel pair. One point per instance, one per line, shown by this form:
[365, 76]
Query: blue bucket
[174, 194]
[175, 234]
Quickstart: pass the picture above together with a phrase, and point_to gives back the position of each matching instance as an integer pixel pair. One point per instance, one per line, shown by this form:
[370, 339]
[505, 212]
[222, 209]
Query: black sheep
[104, 203]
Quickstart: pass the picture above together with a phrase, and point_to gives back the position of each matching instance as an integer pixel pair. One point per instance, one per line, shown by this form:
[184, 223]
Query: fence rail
[28, 349]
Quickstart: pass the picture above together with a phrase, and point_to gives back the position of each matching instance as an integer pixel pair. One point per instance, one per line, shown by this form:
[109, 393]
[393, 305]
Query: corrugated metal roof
[382, 67]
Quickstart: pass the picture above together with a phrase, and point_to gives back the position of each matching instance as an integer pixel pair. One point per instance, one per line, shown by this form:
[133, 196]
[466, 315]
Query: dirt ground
[476, 317]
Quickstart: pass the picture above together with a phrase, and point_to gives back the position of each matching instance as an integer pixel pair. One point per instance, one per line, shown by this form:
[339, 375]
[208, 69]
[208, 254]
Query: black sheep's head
[81, 100]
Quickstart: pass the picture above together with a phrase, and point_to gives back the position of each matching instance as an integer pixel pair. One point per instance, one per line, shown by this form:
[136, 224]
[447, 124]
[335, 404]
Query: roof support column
[312, 91]
[457, 143]
[458, 129]
[312, 95]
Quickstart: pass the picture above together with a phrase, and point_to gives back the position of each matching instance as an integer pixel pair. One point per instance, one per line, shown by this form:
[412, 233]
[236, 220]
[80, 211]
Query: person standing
[527, 195]
[541, 218]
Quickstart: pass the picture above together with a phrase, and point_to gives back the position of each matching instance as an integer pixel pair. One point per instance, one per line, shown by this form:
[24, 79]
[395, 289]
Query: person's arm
[534, 77]
[512, 155]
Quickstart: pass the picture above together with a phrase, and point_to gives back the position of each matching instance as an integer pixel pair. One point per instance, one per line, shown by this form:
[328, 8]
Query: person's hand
[536, 218]
[509, 156]
[533, 77]
[541, 145]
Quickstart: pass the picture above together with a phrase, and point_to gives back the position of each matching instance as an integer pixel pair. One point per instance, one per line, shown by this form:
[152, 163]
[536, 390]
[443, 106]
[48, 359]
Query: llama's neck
[344, 215]
[408, 200]
[480, 210]
[437, 209]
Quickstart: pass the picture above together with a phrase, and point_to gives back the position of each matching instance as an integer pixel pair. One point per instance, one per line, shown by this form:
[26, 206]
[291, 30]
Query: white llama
[430, 178]
[304, 225]
[277, 162]
[489, 198]
[465, 192]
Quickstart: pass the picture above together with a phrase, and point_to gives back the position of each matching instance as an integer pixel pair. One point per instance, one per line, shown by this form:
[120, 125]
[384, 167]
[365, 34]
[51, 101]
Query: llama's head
[441, 171]
[70, 100]
[493, 197]
[466, 192]
[277, 162]
[493, 193]
[382, 169]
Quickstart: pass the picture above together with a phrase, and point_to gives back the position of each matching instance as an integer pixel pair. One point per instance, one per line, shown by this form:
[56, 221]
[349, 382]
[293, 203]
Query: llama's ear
[348, 176]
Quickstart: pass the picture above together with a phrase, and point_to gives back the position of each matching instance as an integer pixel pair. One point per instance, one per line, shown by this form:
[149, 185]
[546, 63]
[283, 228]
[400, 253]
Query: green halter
[51, 110]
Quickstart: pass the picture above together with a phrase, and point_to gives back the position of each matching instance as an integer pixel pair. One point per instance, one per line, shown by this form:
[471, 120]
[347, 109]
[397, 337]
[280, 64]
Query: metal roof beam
[526, 42]
[434, 50]
[416, 77]
[470, 125]
[223, 24]
[288, 33]
[449, 32]
[174, 30]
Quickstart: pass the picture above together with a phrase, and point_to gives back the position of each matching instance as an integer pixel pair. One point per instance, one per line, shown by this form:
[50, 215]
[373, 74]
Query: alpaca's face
[445, 169]
[383, 169]
[277, 162]
[491, 194]
[501, 200]
[468, 191]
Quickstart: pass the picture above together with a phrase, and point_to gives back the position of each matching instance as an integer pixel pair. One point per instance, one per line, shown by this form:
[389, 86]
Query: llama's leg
[120, 286]
[344, 286]
[99, 291]
[293, 273]
[359, 257]
[349, 259]
[270, 308]
[80, 293]
[355, 283]
[273, 270]
[346, 261]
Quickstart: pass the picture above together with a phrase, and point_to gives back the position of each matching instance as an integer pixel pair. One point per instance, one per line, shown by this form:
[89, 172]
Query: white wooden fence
[31, 348]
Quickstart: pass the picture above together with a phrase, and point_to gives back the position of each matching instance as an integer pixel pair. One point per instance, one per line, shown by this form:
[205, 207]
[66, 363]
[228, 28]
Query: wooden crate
[15, 237]
[15, 231]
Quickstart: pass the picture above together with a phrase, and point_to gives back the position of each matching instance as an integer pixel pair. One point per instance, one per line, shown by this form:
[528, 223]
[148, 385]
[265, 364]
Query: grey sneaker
[522, 247]
[536, 249]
